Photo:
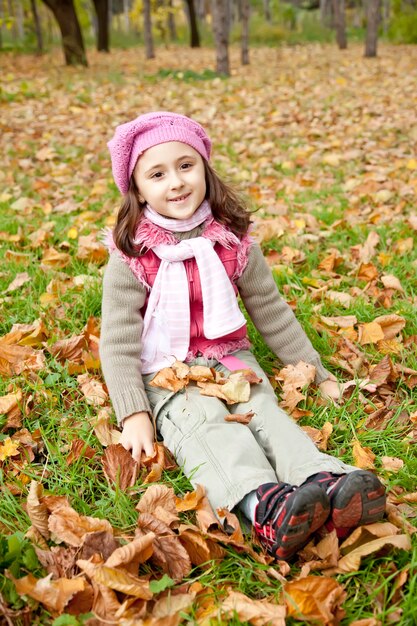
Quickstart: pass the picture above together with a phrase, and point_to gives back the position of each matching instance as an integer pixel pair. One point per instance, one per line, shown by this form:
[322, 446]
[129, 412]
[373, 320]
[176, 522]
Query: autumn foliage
[325, 147]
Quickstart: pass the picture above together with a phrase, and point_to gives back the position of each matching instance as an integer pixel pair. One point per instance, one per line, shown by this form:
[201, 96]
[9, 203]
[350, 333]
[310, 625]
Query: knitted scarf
[166, 332]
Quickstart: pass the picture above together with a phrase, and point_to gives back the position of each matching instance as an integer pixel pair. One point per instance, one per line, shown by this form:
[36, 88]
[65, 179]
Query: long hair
[226, 205]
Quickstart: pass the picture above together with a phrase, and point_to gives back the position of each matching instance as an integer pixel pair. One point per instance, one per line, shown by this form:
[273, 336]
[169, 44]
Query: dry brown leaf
[196, 545]
[79, 449]
[91, 250]
[240, 418]
[395, 516]
[206, 519]
[315, 598]
[340, 297]
[391, 282]
[391, 325]
[100, 544]
[157, 496]
[190, 500]
[363, 457]
[117, 579]
[172, 604]
[67, 525]
[10, 406]
[236, 388]
[69, 349]
[53, 259]
[154, 474]
[19, 280]
[256, 612]
[391, 463]
[231, 525]
[167, 379]
[139, 550]
[370, 332]
[340, 321]
[15, 359]
[297, 376]
[119, 466]
[103, 429]
[200, 373]
[58, 561]
[384, 370]
[367, 621]
[93, 390]
[37, 510]
[320, 437]
[351, 561]
[367, 271]
[54, 594]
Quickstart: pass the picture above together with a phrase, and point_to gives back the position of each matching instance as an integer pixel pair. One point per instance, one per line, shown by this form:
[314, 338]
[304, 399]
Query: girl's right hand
[137, 435]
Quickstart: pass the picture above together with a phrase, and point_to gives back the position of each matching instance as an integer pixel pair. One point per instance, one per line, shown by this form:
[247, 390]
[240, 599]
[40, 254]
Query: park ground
[323, 144]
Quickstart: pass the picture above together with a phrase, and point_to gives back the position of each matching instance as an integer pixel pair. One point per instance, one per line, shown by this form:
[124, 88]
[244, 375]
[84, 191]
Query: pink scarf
[166, 332]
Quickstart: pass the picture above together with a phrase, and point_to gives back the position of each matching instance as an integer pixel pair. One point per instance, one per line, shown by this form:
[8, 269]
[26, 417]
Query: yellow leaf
[72, 233]
[8, 448]
[370, 333]
[411, 164]
[363, 457]
[315, 598]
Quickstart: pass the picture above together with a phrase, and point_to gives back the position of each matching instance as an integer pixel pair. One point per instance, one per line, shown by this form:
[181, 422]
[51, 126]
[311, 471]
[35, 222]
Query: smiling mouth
[180, 198]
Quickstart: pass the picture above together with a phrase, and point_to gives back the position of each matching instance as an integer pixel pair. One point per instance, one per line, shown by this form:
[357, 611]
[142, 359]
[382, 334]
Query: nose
[176, 181]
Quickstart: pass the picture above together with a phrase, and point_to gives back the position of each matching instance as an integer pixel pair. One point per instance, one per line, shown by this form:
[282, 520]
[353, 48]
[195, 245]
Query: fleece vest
[233, 253]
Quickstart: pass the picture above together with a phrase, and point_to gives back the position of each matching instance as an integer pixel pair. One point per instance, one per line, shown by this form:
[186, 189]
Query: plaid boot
[286, 516]
[356, 498]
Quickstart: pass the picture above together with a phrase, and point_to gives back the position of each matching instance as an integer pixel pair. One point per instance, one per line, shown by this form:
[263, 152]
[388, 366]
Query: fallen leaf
[363, 457]
[370, 332]
[167, 379]
[19, 280]
[391, 282]
[391, 463]
[91, 250]
[54, 594]
[93, 390]
[67, 525]
[10, 406]
[315, 598]
[157, 496]
[53, 259]
[391, 325]
[79, 449]
[119, 466]
[8, 448]
[140, 549]
[37, 510]
[240, 418]
[190, 500]
[117, 579]
[351, 561]
[256, 612]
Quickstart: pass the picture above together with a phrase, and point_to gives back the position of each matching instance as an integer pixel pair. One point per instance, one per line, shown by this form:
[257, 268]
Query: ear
[141, 198]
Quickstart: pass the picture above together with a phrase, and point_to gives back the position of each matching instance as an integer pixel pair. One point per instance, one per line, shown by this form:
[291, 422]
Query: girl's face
[171, 179]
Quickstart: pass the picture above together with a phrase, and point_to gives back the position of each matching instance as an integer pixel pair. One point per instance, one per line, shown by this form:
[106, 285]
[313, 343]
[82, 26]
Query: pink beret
[131, 139]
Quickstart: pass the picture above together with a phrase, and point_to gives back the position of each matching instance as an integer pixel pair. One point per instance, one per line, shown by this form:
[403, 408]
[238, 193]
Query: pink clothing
[233, 254]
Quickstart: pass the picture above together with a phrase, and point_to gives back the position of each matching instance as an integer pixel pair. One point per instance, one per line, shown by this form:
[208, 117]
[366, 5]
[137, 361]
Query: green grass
[60, 413]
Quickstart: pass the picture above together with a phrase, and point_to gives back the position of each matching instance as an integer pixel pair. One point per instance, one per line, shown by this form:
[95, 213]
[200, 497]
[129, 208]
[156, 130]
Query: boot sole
[306, 511]
[358, 499]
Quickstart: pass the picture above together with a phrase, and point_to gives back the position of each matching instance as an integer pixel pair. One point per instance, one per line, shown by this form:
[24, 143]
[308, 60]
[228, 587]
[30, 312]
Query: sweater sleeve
[120, 340]
[273, 317]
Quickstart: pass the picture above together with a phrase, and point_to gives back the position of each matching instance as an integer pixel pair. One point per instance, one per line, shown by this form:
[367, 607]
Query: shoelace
[270, 502]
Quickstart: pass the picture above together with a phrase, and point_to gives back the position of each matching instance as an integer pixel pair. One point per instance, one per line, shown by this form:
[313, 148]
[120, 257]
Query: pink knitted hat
[130, 140]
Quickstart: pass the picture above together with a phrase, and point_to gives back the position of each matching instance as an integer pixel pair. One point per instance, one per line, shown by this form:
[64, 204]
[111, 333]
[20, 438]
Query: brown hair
[227, 207]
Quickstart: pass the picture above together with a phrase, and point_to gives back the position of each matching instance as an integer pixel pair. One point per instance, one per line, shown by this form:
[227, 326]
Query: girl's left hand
[331, 389]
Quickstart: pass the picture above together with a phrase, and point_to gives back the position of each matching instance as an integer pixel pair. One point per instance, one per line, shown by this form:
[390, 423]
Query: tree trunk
[245, 7]
[326, 13]
[126, 15]
[201, 10]
[267, 11]
[20, 20]
[372, 21]
[12, 16]
[102, 11]
[38, 29]
[72, 38]
[171, 22]
[147, 30]
[221, 36]
[192, 20]
[340, 23]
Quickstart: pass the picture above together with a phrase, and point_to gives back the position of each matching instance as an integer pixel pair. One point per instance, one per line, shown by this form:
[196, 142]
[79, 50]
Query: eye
[186, 166]
[157, 175]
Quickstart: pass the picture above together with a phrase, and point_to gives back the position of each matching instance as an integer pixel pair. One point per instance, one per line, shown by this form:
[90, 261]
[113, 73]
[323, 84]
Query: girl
[181, 253]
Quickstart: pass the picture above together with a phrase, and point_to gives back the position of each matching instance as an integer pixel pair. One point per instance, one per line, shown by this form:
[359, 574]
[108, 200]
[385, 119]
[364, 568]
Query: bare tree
[38, 28]
[221, 36]
[267, 10]
[147, 30]
[171, 22]
[192, 20]
[102, 12]
[340, 23]
[373, 13]
[245, 14]
[72, 39]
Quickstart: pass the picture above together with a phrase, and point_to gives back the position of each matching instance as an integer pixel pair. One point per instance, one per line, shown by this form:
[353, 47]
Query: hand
[137, 435]
[331, 389]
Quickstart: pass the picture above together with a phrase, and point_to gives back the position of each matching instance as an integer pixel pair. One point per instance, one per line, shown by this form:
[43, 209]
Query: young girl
[181, 253]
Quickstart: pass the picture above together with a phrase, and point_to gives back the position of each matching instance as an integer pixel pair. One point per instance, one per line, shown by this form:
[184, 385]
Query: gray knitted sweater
[122, 323]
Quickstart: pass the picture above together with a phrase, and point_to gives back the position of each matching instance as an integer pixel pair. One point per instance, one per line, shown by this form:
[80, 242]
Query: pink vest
[234, 256]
